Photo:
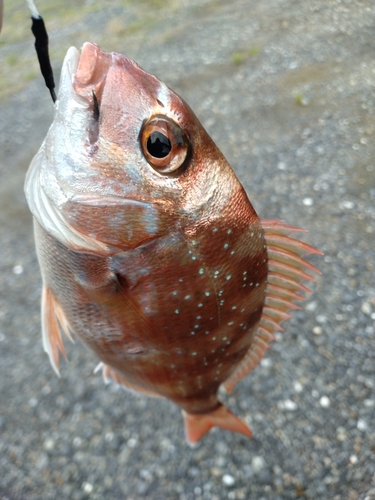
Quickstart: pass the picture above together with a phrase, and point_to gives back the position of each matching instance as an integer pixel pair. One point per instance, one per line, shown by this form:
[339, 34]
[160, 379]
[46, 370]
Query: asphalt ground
[286, 90]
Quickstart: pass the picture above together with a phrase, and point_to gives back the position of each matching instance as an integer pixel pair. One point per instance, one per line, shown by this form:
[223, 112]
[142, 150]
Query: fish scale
[150, 251]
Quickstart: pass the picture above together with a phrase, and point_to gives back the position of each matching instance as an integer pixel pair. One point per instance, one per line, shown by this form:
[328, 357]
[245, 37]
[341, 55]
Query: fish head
[125, 159]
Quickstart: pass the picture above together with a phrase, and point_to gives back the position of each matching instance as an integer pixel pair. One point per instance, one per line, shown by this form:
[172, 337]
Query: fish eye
[164, 144]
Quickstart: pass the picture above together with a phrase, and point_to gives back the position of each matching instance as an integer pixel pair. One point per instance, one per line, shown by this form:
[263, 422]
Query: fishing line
[41, 46]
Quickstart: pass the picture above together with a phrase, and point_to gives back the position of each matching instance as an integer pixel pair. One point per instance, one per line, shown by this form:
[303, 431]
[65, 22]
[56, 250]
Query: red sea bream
[150, 251]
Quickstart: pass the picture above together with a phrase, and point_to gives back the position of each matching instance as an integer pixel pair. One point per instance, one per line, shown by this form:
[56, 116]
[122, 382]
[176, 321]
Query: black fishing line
[41, 46]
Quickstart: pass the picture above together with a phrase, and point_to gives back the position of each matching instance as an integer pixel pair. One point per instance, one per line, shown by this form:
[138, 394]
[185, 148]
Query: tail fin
[197, 425]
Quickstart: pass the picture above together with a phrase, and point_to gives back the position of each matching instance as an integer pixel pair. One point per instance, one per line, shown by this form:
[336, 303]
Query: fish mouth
[81, 87]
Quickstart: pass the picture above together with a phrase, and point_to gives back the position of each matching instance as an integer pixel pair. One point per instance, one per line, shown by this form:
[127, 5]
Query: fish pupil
[158, 145]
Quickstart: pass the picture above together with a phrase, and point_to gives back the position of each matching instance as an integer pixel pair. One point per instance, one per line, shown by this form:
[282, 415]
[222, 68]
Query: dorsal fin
[286, 271]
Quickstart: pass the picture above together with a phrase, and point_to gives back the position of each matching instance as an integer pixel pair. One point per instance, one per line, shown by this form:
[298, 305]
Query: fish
[149, 248]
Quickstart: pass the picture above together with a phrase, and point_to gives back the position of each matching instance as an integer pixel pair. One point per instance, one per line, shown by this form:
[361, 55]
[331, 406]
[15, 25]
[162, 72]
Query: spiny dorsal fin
[53, 318]
[286, 271]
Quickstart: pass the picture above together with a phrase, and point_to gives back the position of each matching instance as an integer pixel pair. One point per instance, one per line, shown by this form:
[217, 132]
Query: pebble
[308, 202]
[142, 487]
[87, 488]
[347, 204]
[321, 319]
[49, 444]
[43, 461]
[298, 387]
[132, 442]
[324, 402]
[228, 480]
[366, 308]
[257, 464]
[77, 442]
[266, 363]
[287, 405]
[370, 495]
[341, 434]
[362, 425]
[311, 306]
[18, 269]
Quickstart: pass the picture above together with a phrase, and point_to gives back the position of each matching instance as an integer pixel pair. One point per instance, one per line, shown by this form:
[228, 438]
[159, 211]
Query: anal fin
[111, 374]
[286, 270]
[53, 318]
[197, 425]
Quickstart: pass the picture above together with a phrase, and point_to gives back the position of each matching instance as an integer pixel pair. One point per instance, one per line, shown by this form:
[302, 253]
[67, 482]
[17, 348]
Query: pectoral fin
[53, 318]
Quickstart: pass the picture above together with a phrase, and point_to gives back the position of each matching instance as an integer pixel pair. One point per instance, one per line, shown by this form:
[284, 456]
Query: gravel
[286, 89]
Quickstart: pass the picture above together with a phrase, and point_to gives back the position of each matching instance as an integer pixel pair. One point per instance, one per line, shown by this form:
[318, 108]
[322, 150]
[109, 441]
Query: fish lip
[69, 67]
[71, 60]
[67, 92]
[91, 71]
[85, 71]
